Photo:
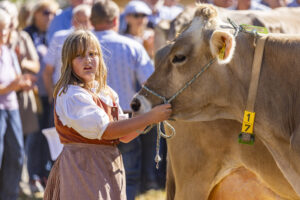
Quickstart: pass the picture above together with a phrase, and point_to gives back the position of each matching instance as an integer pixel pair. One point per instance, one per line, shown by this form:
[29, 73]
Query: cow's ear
[222, 46]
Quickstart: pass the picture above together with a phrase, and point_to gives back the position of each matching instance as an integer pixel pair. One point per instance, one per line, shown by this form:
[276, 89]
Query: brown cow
[221, 93]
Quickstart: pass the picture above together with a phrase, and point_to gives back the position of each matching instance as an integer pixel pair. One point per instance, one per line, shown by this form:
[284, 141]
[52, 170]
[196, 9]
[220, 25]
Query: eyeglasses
[47, 13]
[139, 15]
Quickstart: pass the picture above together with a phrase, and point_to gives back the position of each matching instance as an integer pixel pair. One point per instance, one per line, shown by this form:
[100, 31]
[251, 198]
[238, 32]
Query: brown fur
[206, 152]
[206, 11]
[206, 160]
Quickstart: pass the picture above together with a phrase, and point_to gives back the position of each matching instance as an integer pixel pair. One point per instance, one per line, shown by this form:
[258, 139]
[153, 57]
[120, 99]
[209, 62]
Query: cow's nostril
[135, 104]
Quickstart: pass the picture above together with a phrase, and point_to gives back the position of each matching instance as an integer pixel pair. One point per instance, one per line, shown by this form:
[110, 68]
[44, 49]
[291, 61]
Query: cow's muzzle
[135, 104]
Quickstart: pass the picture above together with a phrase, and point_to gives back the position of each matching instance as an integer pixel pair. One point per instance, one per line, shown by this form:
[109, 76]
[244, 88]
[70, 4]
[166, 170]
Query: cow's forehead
[196, 25]
[195, 29]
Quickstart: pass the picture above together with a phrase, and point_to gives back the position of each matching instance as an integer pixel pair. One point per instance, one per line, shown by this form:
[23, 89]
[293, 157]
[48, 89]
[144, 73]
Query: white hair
[11, 10]
[86, 9]
[5, 18]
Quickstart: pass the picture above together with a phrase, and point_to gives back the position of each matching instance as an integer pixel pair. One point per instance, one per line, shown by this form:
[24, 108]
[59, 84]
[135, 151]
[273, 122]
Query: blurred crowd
[253, 4]
[31, 39]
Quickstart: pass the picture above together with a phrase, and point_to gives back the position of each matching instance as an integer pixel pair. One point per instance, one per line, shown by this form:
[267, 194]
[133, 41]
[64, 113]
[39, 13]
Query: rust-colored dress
[87, 169]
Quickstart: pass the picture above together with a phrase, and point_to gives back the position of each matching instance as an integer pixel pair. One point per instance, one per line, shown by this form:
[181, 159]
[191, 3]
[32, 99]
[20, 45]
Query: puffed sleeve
[80, 112]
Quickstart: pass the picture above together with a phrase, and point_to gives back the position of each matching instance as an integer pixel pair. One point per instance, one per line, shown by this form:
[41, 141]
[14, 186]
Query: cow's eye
[178, 59]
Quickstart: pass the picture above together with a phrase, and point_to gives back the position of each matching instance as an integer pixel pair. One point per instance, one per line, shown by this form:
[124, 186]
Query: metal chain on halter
[173, 132]
[242, 29]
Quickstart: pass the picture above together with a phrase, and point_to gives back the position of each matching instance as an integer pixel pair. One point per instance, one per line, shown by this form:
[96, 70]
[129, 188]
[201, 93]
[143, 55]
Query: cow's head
[211, 95]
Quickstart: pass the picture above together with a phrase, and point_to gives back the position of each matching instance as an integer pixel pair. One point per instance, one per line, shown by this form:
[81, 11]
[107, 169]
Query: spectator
[63, 21]
[136, 13]
[40, 164]
[80, 19]
[128, 66]
[20, 42]
[171, 9]
[158, 13]
[11, 136]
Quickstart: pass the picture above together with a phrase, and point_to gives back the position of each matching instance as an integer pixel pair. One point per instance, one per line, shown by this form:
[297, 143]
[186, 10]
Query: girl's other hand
[160, 113]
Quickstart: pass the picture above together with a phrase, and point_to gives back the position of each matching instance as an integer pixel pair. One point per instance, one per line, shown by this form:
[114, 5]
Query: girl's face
[86, 66]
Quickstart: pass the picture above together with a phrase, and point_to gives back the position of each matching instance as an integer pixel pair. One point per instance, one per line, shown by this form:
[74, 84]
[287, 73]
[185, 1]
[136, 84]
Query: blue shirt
[170, 13]
[128, 64]
[294, 4]
[60, 22]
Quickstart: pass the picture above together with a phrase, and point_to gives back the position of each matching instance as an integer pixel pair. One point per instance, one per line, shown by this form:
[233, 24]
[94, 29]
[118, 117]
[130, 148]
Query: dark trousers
[131, 153]
[39, 159]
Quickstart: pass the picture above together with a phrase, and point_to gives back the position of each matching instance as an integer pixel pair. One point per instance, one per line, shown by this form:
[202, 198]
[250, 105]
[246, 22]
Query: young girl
[86, 118]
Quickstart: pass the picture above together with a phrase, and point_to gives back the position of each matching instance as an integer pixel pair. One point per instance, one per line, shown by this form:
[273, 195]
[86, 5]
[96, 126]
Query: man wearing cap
[128, 66]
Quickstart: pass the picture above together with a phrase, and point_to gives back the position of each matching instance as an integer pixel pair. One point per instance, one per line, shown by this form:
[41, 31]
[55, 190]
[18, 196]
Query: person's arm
[13, 86]
[31, 65]
[29, 61]
[76, 109]
[129, 137]
[47, 78]
[127, 128]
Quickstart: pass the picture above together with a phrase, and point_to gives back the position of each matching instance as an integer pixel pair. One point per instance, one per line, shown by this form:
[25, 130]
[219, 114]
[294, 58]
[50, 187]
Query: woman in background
[136, 15]
[11, 135]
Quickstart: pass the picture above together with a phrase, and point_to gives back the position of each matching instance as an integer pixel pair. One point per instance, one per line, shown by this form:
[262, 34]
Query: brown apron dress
[87, 169]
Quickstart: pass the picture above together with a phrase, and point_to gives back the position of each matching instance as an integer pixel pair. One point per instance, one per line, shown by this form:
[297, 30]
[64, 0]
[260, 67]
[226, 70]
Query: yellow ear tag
[222, 52]
[258, 29]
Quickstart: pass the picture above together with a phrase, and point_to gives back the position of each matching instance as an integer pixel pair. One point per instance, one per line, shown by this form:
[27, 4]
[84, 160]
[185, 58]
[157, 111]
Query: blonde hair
[77, 43]
[43, 4]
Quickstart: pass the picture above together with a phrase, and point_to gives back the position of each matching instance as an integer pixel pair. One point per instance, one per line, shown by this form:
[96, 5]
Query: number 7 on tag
[248, 122]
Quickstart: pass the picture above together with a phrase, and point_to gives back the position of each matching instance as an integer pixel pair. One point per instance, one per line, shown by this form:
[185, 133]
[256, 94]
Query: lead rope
[173, 132]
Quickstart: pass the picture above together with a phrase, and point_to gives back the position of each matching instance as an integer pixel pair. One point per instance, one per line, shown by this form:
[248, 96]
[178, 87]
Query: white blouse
[77, 109]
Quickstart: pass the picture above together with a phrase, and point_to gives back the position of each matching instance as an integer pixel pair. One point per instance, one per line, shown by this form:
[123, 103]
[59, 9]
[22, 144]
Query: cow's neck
[277, 106]
[278, 92]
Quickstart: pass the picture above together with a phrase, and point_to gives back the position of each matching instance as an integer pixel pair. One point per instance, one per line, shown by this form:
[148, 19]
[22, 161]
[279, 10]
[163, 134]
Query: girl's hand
[160, 113]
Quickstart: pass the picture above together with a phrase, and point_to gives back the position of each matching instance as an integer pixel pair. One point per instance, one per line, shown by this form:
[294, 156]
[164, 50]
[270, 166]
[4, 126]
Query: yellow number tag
[248, 122]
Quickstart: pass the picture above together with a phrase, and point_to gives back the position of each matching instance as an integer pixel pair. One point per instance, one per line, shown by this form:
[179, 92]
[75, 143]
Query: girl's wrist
[147, 118]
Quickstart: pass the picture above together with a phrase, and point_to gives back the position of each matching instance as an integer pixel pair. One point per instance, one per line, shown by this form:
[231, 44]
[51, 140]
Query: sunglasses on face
[47, 13]
[138, 15]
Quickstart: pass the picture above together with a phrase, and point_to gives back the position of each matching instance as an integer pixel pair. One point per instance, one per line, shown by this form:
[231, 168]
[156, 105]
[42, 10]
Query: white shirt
[77, 109]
